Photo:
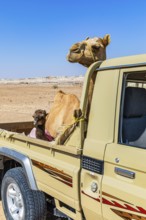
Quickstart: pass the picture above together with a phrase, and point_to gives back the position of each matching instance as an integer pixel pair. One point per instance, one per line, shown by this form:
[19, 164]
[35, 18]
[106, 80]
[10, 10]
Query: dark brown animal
[39, 123]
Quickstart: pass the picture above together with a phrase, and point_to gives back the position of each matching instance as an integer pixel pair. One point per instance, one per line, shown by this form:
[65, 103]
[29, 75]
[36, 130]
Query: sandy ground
[19, 101]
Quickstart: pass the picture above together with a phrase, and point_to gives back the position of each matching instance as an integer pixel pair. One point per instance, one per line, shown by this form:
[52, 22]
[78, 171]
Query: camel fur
[89, 50]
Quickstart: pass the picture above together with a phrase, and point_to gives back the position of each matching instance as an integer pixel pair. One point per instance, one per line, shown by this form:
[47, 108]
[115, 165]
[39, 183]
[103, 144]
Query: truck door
[99, 133]
[124, 179]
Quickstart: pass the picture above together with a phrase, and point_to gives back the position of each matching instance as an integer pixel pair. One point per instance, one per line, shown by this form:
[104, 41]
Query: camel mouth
[74, 57]
[70, 60]
[68, 57]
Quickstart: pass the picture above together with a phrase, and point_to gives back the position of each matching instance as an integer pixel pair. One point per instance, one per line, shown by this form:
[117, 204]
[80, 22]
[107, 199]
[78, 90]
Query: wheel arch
[24, 161]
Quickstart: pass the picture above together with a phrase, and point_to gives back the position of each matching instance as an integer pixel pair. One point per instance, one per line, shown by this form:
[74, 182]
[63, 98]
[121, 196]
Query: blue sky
[35, 35]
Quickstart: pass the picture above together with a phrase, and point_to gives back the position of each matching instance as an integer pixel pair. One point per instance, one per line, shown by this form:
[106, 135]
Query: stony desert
[20, 98]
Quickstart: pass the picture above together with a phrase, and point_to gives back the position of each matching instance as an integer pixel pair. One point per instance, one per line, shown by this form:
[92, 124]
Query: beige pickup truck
[99, 173]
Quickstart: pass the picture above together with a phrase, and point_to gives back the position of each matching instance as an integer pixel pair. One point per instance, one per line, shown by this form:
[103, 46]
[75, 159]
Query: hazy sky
[35, 35]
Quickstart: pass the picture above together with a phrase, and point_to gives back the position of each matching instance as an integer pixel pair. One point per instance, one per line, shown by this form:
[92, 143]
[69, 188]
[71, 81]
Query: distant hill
[50, 80]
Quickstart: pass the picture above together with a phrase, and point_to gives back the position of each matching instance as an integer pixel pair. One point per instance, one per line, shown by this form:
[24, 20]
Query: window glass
[133, 110]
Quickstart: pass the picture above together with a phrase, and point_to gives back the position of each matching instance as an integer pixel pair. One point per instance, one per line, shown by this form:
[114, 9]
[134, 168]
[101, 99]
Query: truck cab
[113, 169]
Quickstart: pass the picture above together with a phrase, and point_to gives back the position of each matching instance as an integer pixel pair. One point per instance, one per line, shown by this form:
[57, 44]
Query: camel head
[89, 50]
[39, 117]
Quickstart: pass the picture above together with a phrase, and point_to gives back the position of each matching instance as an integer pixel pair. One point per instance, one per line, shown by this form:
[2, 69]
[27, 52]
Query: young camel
[39, 130]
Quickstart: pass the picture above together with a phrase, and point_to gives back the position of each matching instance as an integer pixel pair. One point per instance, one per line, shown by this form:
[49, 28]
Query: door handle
[125, 173]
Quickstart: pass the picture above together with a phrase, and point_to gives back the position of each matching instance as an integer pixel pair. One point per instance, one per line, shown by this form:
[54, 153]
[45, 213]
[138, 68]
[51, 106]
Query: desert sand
[20, 100]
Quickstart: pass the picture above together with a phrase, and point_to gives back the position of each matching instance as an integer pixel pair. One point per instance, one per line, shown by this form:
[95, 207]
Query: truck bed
[19, 137]
[19, 127]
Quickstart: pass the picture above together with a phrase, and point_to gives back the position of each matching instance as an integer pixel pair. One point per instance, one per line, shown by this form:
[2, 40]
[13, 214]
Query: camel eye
[77, 50]
[95, 47]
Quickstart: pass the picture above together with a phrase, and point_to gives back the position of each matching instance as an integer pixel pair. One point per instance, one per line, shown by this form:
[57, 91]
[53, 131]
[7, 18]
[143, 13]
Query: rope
[62, 138]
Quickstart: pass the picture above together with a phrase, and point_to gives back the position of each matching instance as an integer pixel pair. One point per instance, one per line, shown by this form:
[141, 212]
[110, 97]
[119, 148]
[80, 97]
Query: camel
[61, 113]
[89, 50]
[39, 130]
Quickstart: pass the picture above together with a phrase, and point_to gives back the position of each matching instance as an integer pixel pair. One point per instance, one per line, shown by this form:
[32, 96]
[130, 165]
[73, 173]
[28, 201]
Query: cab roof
[137, 60]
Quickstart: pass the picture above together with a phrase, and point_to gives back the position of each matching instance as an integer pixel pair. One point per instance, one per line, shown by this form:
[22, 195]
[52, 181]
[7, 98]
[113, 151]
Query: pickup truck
[99, 173]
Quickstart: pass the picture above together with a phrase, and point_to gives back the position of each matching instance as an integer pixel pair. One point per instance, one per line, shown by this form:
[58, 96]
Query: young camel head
[89, 50]
[39, 117]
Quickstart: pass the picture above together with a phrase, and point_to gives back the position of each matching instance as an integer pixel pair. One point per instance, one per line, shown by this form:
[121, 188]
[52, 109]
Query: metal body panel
[100, 132]
[24, 161]
[124, 191]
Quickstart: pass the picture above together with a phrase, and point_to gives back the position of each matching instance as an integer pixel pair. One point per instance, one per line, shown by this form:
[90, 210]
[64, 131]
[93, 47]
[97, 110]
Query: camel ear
[106, 40]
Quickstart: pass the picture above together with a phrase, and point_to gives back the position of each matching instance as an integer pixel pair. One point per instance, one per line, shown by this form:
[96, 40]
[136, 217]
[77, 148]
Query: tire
[19, 201]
